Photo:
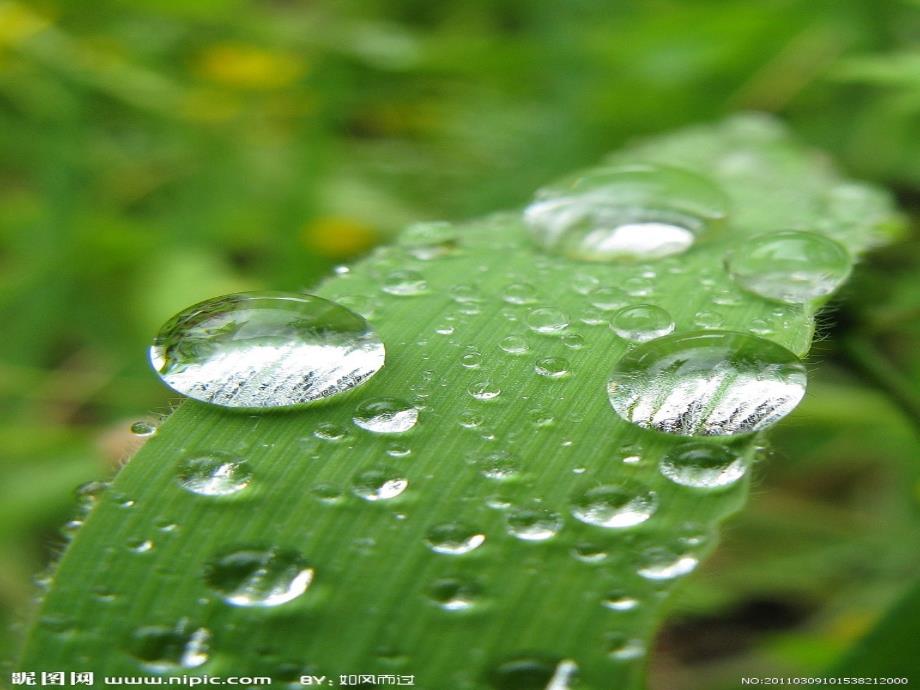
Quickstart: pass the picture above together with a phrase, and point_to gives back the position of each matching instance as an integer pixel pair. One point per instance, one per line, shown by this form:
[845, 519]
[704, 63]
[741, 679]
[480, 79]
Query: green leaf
[141, 580]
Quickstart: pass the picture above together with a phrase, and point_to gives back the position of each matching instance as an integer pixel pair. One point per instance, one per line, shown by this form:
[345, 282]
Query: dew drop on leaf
[454, 538]
[405, 283]
[792, 266]
[161, 649]
[552, 367]
[703, 466]
[637, 212]
[547, 321]
[378, 484]
[533, 523]
[264, 350]
[385, 416]
[213, 474]
[707, 383]
[615, 506]
[256, 577]
[454, 594]
[143, 429]
[641, 322]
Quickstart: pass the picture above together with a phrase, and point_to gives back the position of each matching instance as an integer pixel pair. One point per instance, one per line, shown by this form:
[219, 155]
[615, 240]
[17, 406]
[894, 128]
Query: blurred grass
[157, 152]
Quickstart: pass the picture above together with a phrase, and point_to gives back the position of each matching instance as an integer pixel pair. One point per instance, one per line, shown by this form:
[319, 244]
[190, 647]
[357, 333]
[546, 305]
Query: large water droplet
[703, 466]
[707, 383]
[265, 350]
[637, 212]
[615, 506]
[214, 474]
[791, 266]
[385, 416]
[454, 538]
[255, 577]
[378, 484]
[641, 322]
[161, 649]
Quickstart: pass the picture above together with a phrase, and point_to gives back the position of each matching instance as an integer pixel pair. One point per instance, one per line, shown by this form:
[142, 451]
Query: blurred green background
[157, 152]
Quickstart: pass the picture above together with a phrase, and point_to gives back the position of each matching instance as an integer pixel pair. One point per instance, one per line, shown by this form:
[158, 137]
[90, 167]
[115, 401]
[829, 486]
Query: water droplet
[140, 545]
[265, 350]
[255, 577]
[641, 322]
[663, 563]
[552, 367]
[618, 601]
[707, 383]
[161, 649]
[398, 450]
[484, 390]
[621, 648]
[703, 466]
[330, 431]
[540, 419]
[583, 283]
[143, 428]
[405, 283]
[514, 345]
[427, 241]
[573, 341]
[327, 493]
[519, 293]
[534, 523]
[792, 266]
[214, 474]
[708, 319]
[470, 419]
[378, 484]
[547, 321]
[453, 594]
[465, 293]
[500, 466]
[589, 553]
[385, 416]
[636, 213]
[471, 360]
[533, 673]
[615, 506]
[608, 298]
[454, 538]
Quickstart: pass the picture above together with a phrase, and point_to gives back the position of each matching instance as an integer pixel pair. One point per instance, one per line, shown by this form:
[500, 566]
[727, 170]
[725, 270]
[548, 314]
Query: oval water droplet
[641, 322]
[405, 283]
[256, 577]
[514, 345]
[161, 649]
[385, 416]
[792, 266]
[547, 321]
[143, 428]
[484, 390]
[533, 523]
[519, 293]
[263, 350]
[330, 431]
[552, 367]
[214, 474]
[615, 506]
[703, 466]
[454, 594]
[664, 563]
[636, 213]
[707, 383]
[431, 240]
[378, 484]
[454, 538]
[619, 601]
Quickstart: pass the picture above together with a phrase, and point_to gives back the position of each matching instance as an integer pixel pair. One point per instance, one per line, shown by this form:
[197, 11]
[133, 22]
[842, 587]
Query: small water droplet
[635, 213]
[330, 431]
[552, 367]
[533, 673]
[573, 341]
[615, 506]
[519, 293]
[264, 350]
[378, 484]
[534, 523]
[161, 649]
[500, 466]
[641, 322]
[547, 321]
[255, 577]
[584, 283]
[589, 553]
[385, 416]
[140, 545]
[708, 319]
[621, 648]
[405, 283]
[619, 601]
[707, 383]
[143, 428]
[703, 466]
[454, 538]
[431, 240]
[214, 474]
[471, 360]
[663, 563]
[327, 493]
[484, 390]
[453, 594]
[792, 266]
[514, 345]
[608, 298]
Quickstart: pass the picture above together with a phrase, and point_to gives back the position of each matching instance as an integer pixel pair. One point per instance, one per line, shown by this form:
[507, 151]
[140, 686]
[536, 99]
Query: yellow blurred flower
[18, 23]
[337, 237]
[243, 66]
